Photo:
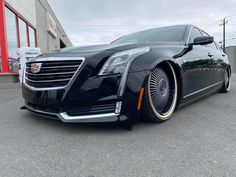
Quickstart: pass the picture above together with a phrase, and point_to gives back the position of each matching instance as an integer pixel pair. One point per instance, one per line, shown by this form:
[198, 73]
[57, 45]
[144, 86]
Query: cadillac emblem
[36, 67]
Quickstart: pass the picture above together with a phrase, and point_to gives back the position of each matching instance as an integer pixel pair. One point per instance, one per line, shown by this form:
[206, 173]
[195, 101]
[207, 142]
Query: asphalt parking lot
[199, 141]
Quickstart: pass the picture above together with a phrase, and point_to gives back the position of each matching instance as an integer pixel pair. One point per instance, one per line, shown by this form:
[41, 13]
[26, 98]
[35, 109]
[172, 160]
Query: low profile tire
[160, 94]
[227, 82]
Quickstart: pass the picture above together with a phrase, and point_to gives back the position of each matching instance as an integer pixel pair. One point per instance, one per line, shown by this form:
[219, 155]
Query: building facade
[27, 23]
[231, 52]
[51, 35]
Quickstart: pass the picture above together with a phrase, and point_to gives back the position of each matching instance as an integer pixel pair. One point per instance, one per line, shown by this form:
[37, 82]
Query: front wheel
[161, 94]
[227, 82]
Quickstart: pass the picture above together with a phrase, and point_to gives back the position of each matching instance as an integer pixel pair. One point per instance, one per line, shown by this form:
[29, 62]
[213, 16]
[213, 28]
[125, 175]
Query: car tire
[160, 97]
[227, 82]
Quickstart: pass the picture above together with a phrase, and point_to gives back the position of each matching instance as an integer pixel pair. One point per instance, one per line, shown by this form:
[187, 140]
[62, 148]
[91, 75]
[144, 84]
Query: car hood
[113, 47]
[99, 52]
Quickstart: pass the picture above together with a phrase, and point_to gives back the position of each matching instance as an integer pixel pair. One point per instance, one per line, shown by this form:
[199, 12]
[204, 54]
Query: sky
[91, 22]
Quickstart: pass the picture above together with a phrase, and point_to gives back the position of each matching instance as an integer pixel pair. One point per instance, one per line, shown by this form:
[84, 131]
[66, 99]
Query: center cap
[163, 87]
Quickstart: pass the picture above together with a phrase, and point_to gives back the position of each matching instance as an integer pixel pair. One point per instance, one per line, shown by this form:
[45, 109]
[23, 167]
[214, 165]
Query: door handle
[210, 55]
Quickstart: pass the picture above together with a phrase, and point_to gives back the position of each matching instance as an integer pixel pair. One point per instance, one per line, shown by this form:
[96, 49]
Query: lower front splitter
[65, 117]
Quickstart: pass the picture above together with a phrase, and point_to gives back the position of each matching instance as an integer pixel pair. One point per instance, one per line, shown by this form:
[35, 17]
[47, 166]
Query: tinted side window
[194, 34]
[212, 45]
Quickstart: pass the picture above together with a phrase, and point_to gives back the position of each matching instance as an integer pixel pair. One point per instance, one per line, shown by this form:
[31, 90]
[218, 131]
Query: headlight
[120, 62]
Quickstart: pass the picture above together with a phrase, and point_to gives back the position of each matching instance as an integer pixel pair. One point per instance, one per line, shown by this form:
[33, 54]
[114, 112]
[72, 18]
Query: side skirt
[198, 98]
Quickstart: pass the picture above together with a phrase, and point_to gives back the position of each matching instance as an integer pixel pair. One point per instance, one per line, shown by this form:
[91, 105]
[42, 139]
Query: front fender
[154, 57]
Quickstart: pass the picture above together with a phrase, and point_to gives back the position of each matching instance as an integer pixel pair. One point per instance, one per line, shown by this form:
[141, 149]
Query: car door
[197, 66]
[218, 61]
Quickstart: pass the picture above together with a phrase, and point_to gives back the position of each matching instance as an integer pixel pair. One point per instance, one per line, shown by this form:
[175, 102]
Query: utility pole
[223, 23]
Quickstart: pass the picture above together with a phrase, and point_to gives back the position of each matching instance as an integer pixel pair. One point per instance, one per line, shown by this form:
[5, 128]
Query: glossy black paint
[199, 68]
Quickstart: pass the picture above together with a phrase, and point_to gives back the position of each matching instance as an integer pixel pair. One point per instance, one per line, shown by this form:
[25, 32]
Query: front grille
[91, 110]
[52, 73]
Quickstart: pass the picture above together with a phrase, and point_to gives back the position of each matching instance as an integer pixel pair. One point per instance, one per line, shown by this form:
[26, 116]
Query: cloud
[102, 21]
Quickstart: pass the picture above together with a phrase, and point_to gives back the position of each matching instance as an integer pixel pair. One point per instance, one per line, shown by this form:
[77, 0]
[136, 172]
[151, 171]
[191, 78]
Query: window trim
[35, 36]
[5, 58]
[16, 31]
[214, 43]
[20, 31]
[201, 31]
[28, 24]
[190, 32]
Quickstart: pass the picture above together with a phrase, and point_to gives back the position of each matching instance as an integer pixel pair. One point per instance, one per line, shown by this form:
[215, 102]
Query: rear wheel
[161, 94]
[227, 82]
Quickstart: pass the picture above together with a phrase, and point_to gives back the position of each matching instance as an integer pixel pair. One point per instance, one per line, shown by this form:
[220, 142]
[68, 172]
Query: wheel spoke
[162, 92]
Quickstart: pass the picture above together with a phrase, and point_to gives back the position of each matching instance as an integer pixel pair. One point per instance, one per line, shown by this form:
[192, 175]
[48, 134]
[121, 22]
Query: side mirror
[204, 40]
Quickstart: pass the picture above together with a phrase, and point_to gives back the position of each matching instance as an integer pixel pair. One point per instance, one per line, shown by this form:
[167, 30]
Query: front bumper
[65, 117]
[93, 100]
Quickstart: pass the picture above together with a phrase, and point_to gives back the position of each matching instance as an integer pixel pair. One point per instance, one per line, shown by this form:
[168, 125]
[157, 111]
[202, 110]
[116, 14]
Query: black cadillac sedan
[145, 75]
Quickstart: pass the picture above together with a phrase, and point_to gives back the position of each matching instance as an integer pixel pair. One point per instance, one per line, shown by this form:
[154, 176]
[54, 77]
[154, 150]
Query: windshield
[165, 34]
